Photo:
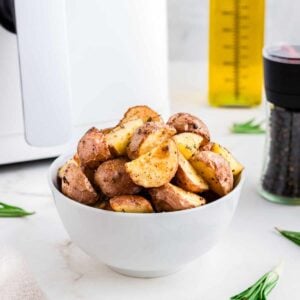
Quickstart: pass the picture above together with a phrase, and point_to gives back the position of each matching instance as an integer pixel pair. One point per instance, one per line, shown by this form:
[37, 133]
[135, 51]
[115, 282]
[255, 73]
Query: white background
[188, 26]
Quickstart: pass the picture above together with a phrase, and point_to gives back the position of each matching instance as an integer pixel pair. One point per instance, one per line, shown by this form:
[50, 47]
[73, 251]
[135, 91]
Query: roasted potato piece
[76, 158]
[187, 178]
[107, 130]
[188, 143]
[147, 137]
[141, 112]
[215, 170]
[184, 122]
[62, 170]
[118, 138]
[235, 166]
[155, 168]
[75, 184]
[130, 204]
[206, 147]
[88, 171]
[113, 180]
[92, 149]
[170, 198]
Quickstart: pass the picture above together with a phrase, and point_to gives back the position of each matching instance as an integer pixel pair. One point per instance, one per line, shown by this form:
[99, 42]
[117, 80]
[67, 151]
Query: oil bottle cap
[282, 75]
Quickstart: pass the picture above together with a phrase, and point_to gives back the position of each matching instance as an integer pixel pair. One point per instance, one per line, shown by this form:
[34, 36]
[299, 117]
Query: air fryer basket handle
[44, 68]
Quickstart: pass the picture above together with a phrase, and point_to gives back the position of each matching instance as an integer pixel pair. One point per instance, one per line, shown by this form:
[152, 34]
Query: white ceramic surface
[143, 245]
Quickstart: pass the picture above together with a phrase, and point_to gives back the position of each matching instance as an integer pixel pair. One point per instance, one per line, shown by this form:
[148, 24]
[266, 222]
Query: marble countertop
[248, 249]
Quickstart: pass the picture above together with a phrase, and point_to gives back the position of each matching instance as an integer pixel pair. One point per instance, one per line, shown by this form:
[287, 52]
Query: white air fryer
[74, 64]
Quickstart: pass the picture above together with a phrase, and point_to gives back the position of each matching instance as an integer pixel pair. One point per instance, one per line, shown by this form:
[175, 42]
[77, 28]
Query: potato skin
[88, 171]
[206, 147]
[141, 112]
[92, 149]
[62, 170]
[75, 185]
[236, 167]
[113, 180]
[171, 198]
[130, 204]
[148, 136]
[156, 167]
[187, 178]
[184, 122]
[215, 170]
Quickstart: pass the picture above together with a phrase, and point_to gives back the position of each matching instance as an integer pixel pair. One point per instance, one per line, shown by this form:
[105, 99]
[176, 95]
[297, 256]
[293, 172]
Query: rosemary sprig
[262, 288]
[293, 236]
[9, 211]
[249, 127]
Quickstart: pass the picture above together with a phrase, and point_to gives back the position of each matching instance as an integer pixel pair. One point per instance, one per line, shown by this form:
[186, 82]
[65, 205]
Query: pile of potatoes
[144, 165]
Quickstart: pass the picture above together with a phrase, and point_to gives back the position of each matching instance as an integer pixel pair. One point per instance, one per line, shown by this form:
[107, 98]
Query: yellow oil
[235, 52]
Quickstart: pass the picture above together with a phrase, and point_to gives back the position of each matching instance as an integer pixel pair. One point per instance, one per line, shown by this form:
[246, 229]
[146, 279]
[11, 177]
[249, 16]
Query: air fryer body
[118, 58]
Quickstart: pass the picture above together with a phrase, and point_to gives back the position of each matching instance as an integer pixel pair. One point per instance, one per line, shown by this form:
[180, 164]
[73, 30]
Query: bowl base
[145, 274]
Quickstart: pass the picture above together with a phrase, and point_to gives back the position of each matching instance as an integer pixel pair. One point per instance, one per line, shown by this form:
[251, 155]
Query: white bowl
[144, 245]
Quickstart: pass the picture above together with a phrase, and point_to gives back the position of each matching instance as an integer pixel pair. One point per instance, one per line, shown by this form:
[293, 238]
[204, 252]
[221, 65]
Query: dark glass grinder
[280, 180]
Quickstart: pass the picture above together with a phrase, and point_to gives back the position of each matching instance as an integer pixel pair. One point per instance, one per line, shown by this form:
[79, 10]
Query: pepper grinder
[280, 180]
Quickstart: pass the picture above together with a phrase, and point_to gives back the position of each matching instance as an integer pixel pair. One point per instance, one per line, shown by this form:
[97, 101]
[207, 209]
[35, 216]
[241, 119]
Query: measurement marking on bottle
[227, 12]
[226, 29]
[228, 63]
[229, 47]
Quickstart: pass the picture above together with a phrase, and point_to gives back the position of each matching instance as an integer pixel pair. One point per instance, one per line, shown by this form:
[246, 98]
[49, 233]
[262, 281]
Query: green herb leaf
[248, 127]
[262, 288]
[9, 211]
[293, 236]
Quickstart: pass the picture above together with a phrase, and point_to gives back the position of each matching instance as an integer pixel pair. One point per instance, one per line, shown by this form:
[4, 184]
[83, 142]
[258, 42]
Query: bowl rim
[60, 160]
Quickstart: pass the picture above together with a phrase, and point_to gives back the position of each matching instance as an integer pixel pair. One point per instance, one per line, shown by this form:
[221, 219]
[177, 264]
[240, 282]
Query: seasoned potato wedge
[184, 122]
[187, 178]
[130, 204]
[206, 147]
[113, 180]
[107, 130]
[156, 167]
[92, 149]
[62, 170]
[118, 138]
[87, 170]
[235, 166]
[188, 143]
[141, 112]
[170, 198]
[215, 169]
[75, 184]
[147, 137]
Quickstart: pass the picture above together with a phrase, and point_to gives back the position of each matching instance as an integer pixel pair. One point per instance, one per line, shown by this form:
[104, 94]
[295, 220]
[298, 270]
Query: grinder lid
[282, 75]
